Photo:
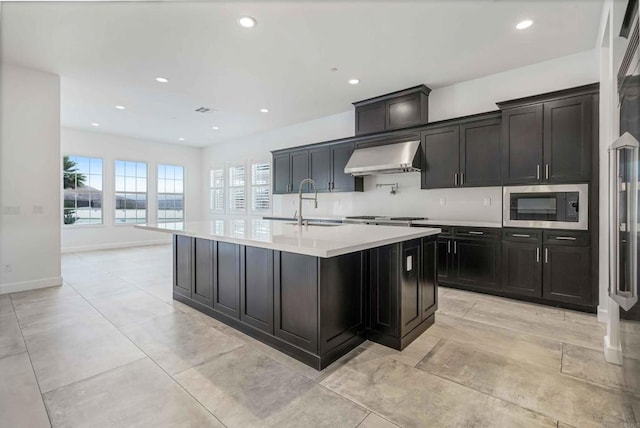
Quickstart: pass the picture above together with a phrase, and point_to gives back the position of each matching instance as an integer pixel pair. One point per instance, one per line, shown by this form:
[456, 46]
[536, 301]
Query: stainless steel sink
[318, 224]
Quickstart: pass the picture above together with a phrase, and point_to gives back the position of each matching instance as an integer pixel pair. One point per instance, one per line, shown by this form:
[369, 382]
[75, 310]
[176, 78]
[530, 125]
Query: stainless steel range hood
[386, 159]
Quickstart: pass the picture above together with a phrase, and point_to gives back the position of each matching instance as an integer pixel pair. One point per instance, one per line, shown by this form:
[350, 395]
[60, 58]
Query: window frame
[229, 188]
[102, 191]
[251, 186]
[221, 188]
[183, 193]
[115, 192]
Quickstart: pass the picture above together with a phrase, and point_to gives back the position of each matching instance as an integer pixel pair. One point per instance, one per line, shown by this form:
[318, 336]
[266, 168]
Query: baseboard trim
[114, 245]
[612, 354]
[603, 314]
[15, 287]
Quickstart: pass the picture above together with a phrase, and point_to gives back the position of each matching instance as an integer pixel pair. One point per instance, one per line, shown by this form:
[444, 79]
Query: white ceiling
[110, 53]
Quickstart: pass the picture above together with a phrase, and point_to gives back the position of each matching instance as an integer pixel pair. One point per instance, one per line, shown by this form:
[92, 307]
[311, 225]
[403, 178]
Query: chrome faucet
[300, 197]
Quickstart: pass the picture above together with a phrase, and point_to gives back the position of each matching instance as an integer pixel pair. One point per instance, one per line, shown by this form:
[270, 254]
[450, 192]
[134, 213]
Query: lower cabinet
[566, 274]
[522, 268]
[182, 265]
[403, 292]
[202, 290]
[256, 288]
[226, 288]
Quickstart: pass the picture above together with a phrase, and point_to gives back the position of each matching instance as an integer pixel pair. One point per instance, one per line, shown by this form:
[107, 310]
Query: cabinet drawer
[522, 235]
[566, 237]
[477, 232]
[445, 230]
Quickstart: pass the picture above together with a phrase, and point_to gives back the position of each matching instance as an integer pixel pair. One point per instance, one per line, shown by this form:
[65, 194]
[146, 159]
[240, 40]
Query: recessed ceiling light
[247, 22]
[161, 80]
[264, 110]
[181, 139]
[215, 128]
[354, 81]
[120, 107]
[524, 24]
[95, 124]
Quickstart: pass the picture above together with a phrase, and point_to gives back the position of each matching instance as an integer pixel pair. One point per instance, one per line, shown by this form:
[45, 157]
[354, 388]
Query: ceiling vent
[205, 110]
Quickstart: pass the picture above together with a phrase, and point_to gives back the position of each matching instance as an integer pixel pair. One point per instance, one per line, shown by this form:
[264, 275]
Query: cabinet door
[281, 174]
[320, 168]
[370, 118]
[203, 281]
[403, 112]
[256, 296]
[226, 290]
[182, 265]
[445, 270]
[299, 170]
[480, 154]
[341, 182]
[522, 268]
[477, 263]
[565, 275]
[296, 299]
[440, 158]
[522, 145]
[428, 280]
[383, 276]
[410, 295]
[567, 140]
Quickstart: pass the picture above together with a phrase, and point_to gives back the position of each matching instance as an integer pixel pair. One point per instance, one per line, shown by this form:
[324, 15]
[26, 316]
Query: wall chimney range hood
[385, 159]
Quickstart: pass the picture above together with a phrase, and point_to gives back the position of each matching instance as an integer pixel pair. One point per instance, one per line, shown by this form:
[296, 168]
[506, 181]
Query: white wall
[29, 179]
[474, 96]
[111, 148]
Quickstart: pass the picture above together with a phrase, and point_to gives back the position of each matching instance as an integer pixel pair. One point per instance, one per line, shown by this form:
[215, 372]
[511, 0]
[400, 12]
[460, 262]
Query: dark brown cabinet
[397, 110]
[202, 289]
[226, 290]
[256, 293]
[548, 139]
[445, 260]
[522, 268]
[403, 291]
[463, 154]
[323, 163]
[565, 275]
[182, 265]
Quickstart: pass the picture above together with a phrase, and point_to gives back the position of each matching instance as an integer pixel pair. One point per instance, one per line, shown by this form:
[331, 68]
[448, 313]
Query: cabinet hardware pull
[455, 247]
[455, 179]
[546, 255]
[546, 171]
[329, 185]
[520, 235]
[565, 238]
[448, 247]
[537, 172]
[462, 178]
[537, 254]
[472, 232]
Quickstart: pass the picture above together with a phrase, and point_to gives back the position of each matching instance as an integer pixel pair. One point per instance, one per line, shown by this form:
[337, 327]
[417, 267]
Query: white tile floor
[110, 348]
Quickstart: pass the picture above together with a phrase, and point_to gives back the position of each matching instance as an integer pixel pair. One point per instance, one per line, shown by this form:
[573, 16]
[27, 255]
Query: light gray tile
[160, 290]
[106, 286]
[49, 293]
[410, 397]
[453, 306]
[130, 307]
[246, 388]
[5, 304]
[544, 391]
[36, 317]
[412, 354]
[64, 355]
[138, 394]
[20, 400]
[589, 364]
[375, 421]
[630, 345]
[11, 341]
[630, 327]
[178, 341]
[564, 331]
[524, 347]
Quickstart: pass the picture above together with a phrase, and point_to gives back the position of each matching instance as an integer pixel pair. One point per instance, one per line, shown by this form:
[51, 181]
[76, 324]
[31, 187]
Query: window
[131, 192]
[216, 189]
[237, 189]
[82, 183]
[261, 187]
[170, 193]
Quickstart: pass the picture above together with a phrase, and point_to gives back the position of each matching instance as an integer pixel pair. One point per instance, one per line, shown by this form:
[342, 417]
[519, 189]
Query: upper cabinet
[462, 153]
[397, 110]
[323, 163]
[548, 138]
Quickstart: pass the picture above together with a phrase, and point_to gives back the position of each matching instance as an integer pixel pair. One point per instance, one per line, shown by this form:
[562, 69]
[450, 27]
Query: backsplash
[470, 204]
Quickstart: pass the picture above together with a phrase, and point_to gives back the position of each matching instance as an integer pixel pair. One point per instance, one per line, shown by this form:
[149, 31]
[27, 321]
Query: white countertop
[436, 222]
[314, 240]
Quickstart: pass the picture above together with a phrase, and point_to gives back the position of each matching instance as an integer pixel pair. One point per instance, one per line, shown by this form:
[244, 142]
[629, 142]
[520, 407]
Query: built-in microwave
[561, 206]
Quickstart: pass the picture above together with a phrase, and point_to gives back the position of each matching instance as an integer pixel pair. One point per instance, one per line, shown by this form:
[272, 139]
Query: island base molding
[313, 309]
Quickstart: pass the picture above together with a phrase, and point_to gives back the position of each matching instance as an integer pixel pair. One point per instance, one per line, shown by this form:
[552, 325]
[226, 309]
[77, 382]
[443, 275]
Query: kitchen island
[313, 291]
